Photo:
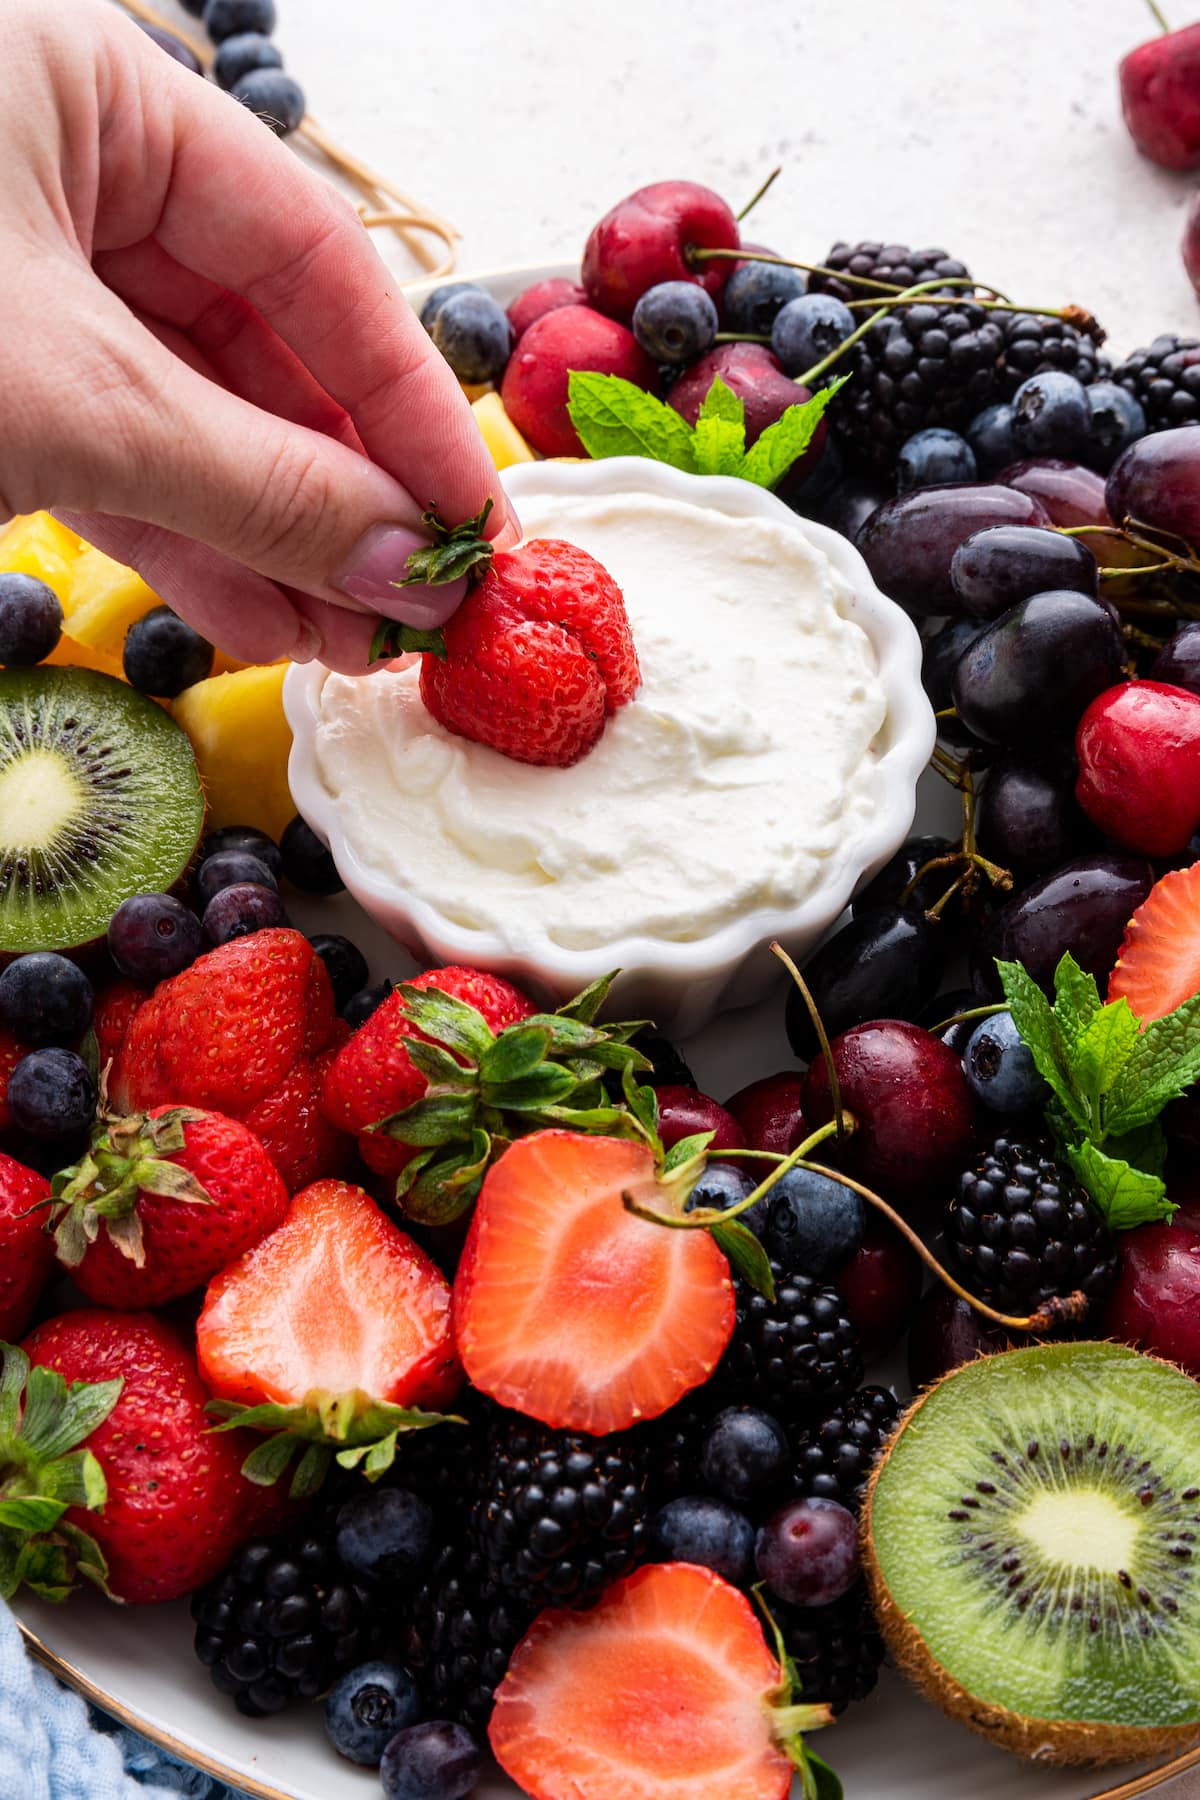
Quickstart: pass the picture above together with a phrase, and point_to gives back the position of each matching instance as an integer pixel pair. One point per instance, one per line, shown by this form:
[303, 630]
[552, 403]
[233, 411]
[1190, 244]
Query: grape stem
[835, 1090]
[968, 853]
[759, 192]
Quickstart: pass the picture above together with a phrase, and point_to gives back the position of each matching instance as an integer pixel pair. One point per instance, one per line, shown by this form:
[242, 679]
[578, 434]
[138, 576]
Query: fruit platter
[610, 1208]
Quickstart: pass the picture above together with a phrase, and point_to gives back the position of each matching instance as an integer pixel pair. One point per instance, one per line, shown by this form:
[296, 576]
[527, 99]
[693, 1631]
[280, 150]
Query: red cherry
[1155, 1304]
[682, 1112]
[541, 298]
[646, 239]
[768, 1111]
[1160, 98]
[1139, 765]
[1191, 239]
[881, 1285]
[534, 388]
[914, 1111]
[757, 378]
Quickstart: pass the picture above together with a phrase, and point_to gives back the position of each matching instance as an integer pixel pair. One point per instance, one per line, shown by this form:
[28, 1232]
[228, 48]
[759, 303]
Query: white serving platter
[137, 1663]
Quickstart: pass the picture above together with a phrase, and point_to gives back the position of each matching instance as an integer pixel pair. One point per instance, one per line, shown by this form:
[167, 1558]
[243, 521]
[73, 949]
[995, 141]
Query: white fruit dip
[721, 788]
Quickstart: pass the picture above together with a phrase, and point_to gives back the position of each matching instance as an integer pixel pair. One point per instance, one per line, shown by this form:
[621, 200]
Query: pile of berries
[247, 63]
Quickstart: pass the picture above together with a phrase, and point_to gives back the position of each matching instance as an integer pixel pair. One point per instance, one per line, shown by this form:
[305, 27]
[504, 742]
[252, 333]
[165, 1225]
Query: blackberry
[794, 1355]
[1021, 1231]
[1165, 377]
[893, 263]
[441, 1464]
[836, 1455]
[281, 1623]
[560, 1514]
[1032, 345]
[463, 1630]
[836, 1650]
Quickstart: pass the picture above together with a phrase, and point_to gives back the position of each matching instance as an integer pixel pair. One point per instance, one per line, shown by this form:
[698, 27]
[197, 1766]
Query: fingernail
[308, 645]
[379, 562]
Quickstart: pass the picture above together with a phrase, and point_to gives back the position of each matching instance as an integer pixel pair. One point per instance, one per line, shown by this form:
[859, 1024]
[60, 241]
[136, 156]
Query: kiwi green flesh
[1033, 1542]
[99, 799]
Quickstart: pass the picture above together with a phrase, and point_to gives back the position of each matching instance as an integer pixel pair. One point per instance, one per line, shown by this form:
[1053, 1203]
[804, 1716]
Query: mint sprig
[1111, 1074]
[615, 418]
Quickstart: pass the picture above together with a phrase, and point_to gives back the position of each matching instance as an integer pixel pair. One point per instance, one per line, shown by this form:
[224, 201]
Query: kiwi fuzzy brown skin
[1062, 1742]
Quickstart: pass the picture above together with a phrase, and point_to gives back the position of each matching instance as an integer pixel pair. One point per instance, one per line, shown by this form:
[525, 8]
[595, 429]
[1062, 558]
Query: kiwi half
[1030, 1539]
[99, 799]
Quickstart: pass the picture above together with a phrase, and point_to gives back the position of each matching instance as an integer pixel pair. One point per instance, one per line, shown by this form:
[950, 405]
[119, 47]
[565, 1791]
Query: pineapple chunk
[242, 742]
[36, 544]
[106, 598]
[504, 442]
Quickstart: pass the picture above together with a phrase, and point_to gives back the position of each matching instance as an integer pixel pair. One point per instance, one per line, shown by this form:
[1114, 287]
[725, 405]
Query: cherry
[881, 1285]
[647, 238]
[1139, 765]
[1191, 238]
[946, 1333]
[757, 378]
[534, 388]
[1160, 98]
[768, 1111]
[1157, 482]
[1155, 1304]
[541, 298]
[915, 1118]
[682, 1112]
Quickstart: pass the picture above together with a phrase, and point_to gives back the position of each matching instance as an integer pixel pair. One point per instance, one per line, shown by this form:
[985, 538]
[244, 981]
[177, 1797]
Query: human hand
[207, 370]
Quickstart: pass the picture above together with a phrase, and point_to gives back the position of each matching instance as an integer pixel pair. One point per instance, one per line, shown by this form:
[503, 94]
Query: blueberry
[163, 655]
[238, 55]
[814, 1223]
[744, 1453]
[275, 97]
[229, 867]
[440, 295]
[754, 294]
[675, 322]
[45, 999]
[154, 936]
[435, 1761]
[30, 620]
[1000, 1069]
[360, 1006]
[306, 862]
[1051, 416]
[247, 838]
[807, 1552]
[384, 1534]
[722, 1185]
[346, 964]
[174, 47]
[807, 329]
[934, 458]
[226, 18]
[473, 333]
[990, 435]
[1117, 420]
[51, 1094]
[698, 1529]
[241, 910]
[368, 1707]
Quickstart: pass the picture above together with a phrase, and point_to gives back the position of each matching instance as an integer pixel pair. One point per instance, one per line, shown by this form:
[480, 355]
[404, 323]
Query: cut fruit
[505, 445]
[1029, 1539]
[106, 599]
[1159, 965]
[571, 1309]
[242, 743]
[36, 544]
[99, 799]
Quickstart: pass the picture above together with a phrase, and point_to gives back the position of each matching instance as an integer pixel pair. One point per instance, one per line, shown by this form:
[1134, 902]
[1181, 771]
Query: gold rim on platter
[258, 1790]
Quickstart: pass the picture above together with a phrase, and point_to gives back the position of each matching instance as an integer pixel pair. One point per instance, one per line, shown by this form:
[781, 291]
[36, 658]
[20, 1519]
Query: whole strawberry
[114, 1010]
[11, 1053]
[177, 1504]
[161, 1202]
[26, 1248]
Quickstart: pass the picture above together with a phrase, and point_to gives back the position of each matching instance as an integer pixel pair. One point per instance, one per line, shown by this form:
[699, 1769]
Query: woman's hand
[205, 367]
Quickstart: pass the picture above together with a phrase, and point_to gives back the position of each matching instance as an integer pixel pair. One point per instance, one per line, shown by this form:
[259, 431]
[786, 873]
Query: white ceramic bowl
[680, 985]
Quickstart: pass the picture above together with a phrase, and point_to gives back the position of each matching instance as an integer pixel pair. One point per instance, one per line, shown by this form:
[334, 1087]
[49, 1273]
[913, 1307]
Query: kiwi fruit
[1031, 1536]
[99, 799]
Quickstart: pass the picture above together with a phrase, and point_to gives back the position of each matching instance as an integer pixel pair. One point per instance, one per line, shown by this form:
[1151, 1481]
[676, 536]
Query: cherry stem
[962, 1018]
[706, 1216]
[697, 255]
[835, 1089]
[1157, 14]
[739, 337]
[754, 199]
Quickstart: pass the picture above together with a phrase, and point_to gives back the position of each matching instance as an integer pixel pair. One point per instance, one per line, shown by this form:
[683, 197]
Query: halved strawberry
[1159, 965]
[570, 1308]
[664, 1689]
[335, 1301]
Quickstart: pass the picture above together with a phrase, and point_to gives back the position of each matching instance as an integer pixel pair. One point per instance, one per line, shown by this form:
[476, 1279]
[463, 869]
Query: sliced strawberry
[335, 1300]
[662, 1691]
[571, 1309]
[1159, 965]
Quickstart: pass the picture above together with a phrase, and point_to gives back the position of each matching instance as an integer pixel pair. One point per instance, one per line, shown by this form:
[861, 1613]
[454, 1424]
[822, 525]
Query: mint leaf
[1035, 1021]
[1145, 1148]
[615, 418]
[1124, 1196]
[1164, 1064]
[1076, 999]
[719, 446]
[789, 437]
[1103, 1048]
[721, 402]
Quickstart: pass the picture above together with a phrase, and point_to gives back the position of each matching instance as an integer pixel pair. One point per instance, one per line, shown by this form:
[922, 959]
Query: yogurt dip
[746, 756]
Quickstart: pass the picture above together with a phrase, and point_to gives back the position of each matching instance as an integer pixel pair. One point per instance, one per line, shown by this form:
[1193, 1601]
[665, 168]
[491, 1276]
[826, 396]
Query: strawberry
[295, 1132]
[113, 1014]
[177, 1506]
[11, 1053]
[1159, 965]
[26, 1248]
[571, 1309]
[161, 1202]
[665, 1688]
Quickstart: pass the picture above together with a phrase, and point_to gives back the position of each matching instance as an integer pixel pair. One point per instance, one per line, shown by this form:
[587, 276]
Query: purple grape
[807, 1552]
[1178, 662]
[152, 937]
[1157, 482]
[240, 910]
[228, 868]
[1030, 675]
[1082, 907]
[909, 542]
[1005, 564]
[946, 1333]
[1028, 818]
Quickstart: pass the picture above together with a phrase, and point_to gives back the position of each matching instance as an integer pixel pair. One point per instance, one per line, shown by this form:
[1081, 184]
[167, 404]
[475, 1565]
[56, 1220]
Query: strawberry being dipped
[26, 1248]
